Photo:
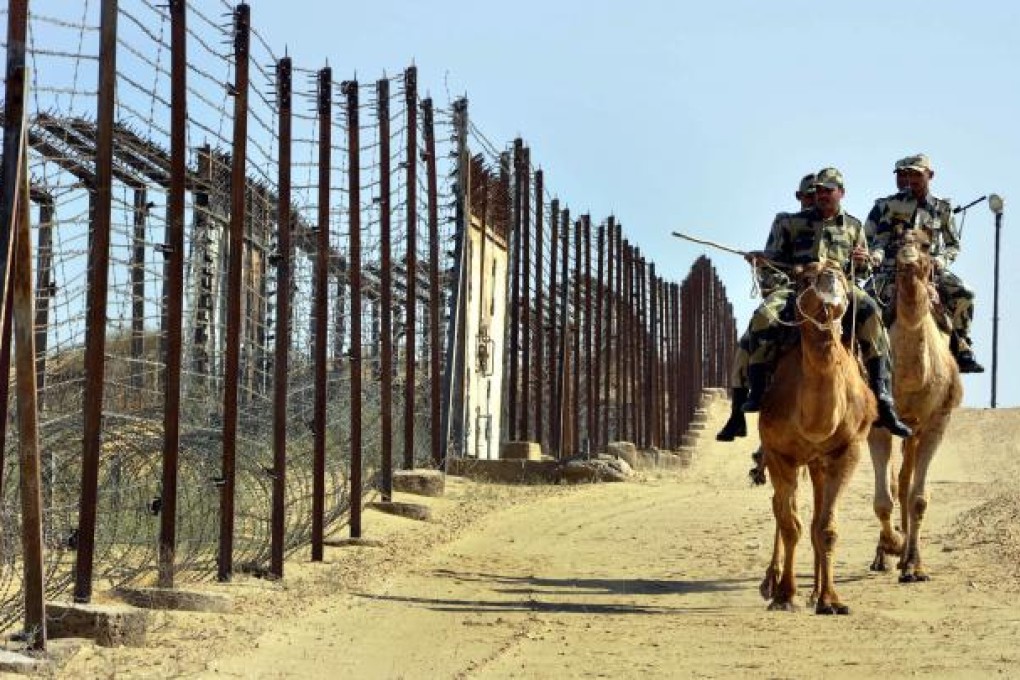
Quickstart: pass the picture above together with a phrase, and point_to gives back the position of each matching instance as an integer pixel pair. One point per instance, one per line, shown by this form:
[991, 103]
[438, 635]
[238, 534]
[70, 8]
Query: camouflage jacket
[805, 237]
[894, 215]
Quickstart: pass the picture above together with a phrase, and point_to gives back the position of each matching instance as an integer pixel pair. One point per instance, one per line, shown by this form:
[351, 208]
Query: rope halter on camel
[830, 287]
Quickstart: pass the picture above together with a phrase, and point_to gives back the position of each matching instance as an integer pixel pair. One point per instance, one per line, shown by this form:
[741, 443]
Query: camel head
[822, 295]
[914, 269]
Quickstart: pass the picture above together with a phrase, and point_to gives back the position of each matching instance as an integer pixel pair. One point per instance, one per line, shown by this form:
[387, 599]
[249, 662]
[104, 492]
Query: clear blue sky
[701, 117]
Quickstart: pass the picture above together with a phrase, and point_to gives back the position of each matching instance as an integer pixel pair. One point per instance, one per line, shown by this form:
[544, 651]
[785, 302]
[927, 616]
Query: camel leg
[890, 542]
[783, 475]
[770, 584]
[909, 449]
[838, 472]
[817, 473]
[928, 441]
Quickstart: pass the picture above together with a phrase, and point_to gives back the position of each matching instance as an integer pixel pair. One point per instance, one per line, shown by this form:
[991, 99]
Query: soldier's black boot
[964, 355]
[758, 379]
[878, 374]
[736, 426]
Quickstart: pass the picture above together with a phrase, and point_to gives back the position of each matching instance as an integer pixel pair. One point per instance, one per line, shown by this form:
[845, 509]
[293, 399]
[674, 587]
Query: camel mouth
[909, 254]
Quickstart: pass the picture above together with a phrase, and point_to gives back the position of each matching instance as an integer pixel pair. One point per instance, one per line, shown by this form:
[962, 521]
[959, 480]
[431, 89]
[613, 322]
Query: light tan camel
[816, 414]
[926, 387]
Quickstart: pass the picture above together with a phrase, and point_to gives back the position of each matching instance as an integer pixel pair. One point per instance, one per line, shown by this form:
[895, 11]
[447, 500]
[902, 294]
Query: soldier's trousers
[772, 326]
[738, 375]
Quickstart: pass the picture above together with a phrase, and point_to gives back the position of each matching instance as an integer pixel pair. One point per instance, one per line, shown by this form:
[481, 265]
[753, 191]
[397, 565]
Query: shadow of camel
[535, 589]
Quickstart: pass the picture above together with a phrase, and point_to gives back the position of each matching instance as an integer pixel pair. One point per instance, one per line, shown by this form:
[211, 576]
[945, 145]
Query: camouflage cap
[901, 164]
[807, 184]
[830, 178]
[920, 163]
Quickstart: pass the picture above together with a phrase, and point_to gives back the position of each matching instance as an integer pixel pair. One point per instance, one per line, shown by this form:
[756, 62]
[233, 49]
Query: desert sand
[653, 578]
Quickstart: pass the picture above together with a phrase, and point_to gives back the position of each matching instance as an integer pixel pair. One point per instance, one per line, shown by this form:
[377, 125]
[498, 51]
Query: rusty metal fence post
[98, 277]
[540, 392]
[553, 382]
[411, 263]
[174, 292]
[435, 291]
[324, 99]
[281, 365]
[524, 428]
[516, 253]
[238, 181]
[386, 295]
[350, 90]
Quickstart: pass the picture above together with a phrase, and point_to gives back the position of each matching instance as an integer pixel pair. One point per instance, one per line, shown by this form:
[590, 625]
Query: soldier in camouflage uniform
[824, 232]
[916, 208]
[768, 281]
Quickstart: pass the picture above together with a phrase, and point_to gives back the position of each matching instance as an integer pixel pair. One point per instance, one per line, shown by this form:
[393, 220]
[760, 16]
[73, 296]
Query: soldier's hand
[755, 257]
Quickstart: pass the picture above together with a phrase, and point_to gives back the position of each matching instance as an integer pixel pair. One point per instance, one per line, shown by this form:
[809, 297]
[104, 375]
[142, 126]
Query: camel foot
[879, 563]
[769, 587]
[914, 577]
[757, 476]
[782, 606]
[830, 609]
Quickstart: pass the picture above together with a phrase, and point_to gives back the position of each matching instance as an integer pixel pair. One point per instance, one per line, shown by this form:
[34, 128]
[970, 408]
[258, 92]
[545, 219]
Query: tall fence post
[514, 271]
[98, 277]
[554, 319]
[235, 289]
[350, 90]
[324, 92]
[411, 262]
[599, 321]
[589, 381]
[28, 418]
[435, 292]
[562, 374]
[539, 341]
[610, 333]
[386, 295]
[453, 377]
[524, 429]
[575, 420]
[281, 363]
[174, 292]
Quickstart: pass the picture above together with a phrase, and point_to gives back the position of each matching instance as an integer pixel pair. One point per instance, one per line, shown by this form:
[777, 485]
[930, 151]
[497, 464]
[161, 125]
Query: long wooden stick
[706, 242]
[28, 417]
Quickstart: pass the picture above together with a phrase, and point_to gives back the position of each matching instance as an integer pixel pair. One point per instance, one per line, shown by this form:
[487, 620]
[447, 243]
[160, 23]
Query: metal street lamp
[995, 204]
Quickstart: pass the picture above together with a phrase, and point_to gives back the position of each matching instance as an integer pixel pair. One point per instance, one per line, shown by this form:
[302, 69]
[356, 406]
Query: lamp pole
[995, 203]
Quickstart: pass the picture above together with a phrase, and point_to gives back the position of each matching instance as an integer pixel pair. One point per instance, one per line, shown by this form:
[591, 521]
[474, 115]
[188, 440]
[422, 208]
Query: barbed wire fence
[281, 264]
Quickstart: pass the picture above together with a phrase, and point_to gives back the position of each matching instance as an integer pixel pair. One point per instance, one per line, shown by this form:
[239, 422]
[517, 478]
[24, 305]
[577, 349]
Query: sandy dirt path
[656, 578]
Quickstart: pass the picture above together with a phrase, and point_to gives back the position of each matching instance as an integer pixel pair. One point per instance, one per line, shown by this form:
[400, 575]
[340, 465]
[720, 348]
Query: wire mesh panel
[382, 190]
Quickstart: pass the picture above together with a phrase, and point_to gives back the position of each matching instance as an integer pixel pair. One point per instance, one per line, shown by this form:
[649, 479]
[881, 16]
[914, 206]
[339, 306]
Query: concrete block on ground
[624, 451]
[505, 471]
[700, 416]
[646, 460]
[685, 454]
[689, 439]
[420, 482]
[580, 471]
[176, 600]
[520, 450]
[415, 511]
[696, 428]
[22, 664]
[109, 625]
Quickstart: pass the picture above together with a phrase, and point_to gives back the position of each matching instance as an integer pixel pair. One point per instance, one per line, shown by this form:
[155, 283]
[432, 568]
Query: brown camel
[926, 387]
[816, 414]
